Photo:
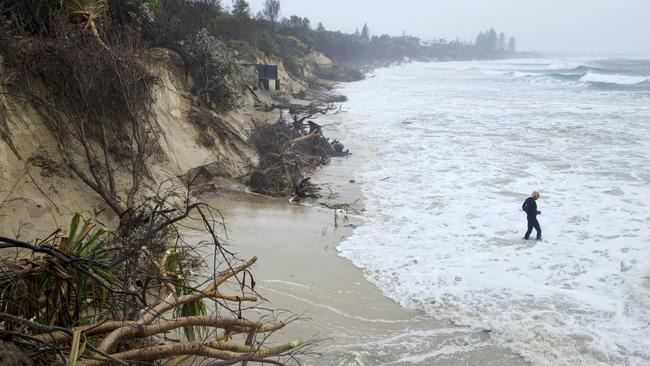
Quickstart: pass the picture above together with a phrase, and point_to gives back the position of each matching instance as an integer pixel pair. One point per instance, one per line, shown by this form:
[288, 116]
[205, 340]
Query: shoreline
[299, 270]
[424, 240]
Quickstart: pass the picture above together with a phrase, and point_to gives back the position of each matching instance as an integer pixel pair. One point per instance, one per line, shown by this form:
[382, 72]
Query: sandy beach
[299, 270]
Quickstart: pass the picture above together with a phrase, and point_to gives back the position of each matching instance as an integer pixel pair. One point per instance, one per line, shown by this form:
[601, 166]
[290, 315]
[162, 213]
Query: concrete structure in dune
[259, 76]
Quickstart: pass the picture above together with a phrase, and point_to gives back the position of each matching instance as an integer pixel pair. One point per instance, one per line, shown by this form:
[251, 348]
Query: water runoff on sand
[452, 149]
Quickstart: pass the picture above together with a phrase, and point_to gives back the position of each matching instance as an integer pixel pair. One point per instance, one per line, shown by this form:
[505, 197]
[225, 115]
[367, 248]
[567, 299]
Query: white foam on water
[495, 72]
[452, 155]
[330, 308]
[614, 78]
[564, 64]
[522, 74]
[446, 350]
[407, 347]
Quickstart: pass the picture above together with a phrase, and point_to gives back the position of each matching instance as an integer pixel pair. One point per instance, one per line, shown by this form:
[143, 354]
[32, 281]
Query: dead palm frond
[85, 13]
[182, 287]
[49, 290]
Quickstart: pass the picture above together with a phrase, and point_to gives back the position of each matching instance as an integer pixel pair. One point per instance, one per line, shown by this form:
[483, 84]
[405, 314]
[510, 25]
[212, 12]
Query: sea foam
[444, 191]
[614, 78]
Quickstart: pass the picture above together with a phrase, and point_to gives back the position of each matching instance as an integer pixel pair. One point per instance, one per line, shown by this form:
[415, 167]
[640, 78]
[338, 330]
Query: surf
[443, 224]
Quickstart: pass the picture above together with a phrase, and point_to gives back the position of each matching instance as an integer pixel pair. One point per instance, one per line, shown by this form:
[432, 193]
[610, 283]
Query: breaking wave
[642, 86]
[616, 81]
[613, 75]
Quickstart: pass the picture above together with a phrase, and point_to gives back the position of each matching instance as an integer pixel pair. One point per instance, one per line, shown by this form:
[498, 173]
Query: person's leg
[538, 229]
[530, 229]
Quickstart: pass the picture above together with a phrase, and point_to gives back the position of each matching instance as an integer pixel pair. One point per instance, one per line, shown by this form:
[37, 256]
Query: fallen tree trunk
[116, 337]
[288, 151]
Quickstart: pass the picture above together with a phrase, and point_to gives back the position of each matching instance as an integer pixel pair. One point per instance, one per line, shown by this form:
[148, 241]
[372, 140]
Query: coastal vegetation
[79, 298]
[173, 23]
[89, 71]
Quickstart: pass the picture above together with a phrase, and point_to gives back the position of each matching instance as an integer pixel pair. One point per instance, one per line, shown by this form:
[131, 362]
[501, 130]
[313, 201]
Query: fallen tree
[291, 149]
[61, 302]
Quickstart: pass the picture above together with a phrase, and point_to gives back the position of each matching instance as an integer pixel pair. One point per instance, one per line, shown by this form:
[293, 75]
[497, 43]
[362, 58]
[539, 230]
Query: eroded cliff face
[181, 139]
[38, 192]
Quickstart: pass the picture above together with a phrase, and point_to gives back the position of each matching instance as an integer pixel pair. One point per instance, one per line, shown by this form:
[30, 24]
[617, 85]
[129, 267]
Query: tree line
[291, 36]
[167, 23]
[490, 41]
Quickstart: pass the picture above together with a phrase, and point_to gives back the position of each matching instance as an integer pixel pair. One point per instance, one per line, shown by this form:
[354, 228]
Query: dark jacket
[530, 207]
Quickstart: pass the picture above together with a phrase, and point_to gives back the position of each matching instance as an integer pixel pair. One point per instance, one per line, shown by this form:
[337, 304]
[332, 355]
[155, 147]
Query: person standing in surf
[530, 207]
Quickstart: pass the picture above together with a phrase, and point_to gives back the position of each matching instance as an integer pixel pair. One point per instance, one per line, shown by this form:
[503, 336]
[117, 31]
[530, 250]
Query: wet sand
[299, 270]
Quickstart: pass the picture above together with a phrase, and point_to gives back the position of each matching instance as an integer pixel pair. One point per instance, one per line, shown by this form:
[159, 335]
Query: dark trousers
[533, 223]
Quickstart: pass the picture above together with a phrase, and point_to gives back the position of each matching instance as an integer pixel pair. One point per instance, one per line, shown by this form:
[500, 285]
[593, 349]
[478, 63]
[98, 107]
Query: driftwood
[344, 208]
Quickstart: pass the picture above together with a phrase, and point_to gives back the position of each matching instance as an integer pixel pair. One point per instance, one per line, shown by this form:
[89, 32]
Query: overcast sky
[568, 26]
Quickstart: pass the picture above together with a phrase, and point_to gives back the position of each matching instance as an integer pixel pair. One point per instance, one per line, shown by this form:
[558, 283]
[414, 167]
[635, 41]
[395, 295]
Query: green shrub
[266, 44]
[214, 69]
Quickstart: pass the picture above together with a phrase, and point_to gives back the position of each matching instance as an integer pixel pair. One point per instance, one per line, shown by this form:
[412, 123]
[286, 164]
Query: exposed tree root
[291, 149]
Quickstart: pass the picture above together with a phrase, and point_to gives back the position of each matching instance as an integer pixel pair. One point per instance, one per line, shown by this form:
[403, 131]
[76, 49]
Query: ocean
[452, 149]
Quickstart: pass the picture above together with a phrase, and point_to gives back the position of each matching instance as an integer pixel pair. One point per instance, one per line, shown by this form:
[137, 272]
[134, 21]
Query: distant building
[259, 76]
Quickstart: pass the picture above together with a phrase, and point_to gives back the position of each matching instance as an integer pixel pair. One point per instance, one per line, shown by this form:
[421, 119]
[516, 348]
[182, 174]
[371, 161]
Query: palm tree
[85, 13]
